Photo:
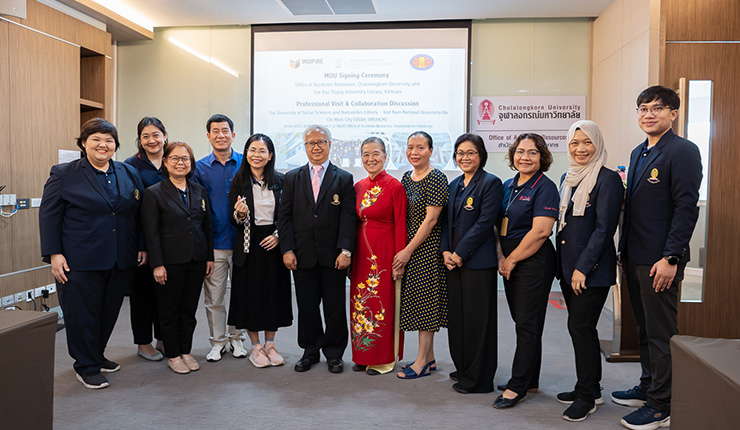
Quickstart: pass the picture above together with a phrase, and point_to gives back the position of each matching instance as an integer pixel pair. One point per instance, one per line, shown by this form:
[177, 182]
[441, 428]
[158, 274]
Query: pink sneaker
[258, 357]
[272, 354]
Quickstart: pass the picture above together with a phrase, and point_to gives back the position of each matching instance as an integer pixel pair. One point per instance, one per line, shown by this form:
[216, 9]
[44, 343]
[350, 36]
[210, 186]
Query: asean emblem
[469, 204]
[653, 179]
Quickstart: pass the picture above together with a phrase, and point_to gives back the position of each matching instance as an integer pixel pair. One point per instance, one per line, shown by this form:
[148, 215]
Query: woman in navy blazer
[179, 236]
[260, 282]
[469, 251]
[88, 222]
[591, 199]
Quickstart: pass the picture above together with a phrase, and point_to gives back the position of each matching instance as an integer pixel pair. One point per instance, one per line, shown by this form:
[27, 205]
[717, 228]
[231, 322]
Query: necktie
[316, 181]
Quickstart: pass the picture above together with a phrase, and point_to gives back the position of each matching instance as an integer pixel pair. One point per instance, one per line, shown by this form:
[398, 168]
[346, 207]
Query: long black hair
[147, 121]
[243, 177]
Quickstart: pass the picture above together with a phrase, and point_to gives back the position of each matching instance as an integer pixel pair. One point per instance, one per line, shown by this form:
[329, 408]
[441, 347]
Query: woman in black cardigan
[179, 236]
[260, 283]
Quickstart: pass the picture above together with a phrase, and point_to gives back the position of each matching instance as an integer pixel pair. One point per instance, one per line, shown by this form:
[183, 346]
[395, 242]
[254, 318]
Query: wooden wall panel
[6, 233]
[719, 313]
[701, 19]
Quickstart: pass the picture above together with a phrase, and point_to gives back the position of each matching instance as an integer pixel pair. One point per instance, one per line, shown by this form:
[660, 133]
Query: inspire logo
[294, 64]
[422, 62]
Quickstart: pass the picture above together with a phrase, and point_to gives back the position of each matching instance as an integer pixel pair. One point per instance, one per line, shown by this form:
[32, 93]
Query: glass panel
[698, 131]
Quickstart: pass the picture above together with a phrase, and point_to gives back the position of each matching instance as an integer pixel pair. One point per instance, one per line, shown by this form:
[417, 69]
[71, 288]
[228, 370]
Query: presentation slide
[357, 93]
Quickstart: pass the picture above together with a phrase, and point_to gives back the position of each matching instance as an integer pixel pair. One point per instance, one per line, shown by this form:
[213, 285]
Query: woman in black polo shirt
[527, 261]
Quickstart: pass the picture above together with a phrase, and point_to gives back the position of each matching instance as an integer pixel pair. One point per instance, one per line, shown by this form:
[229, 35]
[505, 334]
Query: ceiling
[171, 13]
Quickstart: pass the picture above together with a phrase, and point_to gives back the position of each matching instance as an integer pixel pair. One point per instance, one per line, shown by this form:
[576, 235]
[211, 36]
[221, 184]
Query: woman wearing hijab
[590, 200]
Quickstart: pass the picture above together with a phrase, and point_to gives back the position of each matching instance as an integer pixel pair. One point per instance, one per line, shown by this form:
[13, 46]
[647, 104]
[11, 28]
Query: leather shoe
[457, 387]
[503, 387]
[336, 365]
[358, 367]
[454, 377]
[305, 364]
[502, 402]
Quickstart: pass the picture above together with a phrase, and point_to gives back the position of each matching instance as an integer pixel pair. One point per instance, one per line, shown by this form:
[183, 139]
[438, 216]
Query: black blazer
[317, 231]
[660, 212]
[586, 243]
[77, 220]
[176, 234]
[238, 256]
[474, 226]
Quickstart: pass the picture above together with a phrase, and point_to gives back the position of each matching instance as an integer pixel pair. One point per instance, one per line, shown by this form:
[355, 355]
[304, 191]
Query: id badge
[504, 226]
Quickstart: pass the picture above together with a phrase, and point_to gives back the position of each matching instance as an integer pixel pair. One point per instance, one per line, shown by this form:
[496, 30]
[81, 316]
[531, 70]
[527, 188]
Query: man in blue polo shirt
[215, 172]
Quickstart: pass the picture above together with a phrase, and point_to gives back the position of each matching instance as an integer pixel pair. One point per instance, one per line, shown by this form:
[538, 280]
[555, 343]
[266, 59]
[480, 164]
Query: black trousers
[656, 316]
[91, 302]
[143, 300]
[325, 286]
[178, 301]
[472, 327]
[583, 315]
[527, 292]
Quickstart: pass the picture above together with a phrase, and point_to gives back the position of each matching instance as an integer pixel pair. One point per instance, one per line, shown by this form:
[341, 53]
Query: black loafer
[358, 367]
[503, 403]
[457, 387]
[453, 376]
[372, 372]
[336, 365]
[305, 364]
[503, 387]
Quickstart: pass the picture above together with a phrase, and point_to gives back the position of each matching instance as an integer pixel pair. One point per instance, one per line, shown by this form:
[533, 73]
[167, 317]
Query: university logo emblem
[653, 179]
[485, 113]
[422, 62]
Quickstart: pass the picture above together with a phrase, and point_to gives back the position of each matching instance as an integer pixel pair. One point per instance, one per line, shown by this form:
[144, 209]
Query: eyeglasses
[176, 160]
[463, 154]
[320, 143]
[531, 152]
[655, 110]
[260, 151]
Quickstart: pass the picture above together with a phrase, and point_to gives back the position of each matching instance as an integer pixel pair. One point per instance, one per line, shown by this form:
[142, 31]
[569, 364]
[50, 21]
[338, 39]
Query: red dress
[381, 233]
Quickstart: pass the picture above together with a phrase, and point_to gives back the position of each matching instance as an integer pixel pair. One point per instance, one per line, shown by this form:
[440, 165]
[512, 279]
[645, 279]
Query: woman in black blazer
[88, 223]
[469, 251]
[179, 237]
[260, 286]
[590, 200]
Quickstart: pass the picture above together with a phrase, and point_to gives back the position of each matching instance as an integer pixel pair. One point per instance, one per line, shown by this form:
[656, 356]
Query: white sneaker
[215, 353]
[237, 349]
[258, 357]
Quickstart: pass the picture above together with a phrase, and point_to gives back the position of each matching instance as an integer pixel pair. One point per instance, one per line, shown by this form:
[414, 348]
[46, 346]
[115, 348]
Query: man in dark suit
[659, 217]
[316, 223]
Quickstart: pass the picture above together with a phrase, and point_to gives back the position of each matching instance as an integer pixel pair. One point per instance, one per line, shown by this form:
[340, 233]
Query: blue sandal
[409, 373]
[432, 365]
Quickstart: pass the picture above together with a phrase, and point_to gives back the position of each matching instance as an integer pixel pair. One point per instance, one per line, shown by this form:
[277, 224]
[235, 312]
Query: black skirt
[260, 289]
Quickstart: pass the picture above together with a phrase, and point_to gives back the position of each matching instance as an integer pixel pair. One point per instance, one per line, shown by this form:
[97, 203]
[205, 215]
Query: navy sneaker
[646, 418]
[635, 397]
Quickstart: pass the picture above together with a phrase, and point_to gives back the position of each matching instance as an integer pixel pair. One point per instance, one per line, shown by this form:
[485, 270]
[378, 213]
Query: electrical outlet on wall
[38, 292]
[30, 295]
[20, 297]
[52, 288]
[8, 300]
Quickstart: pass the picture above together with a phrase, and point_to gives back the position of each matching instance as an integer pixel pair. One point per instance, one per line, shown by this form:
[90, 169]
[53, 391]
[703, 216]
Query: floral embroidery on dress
[364, 322]
[370, 197]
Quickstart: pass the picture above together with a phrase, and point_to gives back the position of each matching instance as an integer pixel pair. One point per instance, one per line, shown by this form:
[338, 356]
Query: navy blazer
[77, 220]
[317, 231]
[176, 234]
[473, 220]
[238, 256]
[586, 243]
[660, 210]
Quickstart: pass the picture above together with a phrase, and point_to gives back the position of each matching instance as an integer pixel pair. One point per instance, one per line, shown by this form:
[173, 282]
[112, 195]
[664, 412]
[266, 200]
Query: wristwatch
[672, 259]
[347, 253]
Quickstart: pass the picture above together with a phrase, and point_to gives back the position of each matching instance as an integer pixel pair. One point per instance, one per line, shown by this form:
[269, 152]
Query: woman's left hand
[400, 260]
[141, 258]
[209, 268]
[578, 282]
[506, 268]
[270, 242]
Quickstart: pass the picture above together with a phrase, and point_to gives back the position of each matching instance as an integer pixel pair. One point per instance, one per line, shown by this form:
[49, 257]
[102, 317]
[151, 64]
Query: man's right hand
[290, 261]
[59, 268]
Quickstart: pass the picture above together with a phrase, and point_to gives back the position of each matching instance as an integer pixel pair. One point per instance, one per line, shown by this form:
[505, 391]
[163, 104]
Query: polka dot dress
[424, 290]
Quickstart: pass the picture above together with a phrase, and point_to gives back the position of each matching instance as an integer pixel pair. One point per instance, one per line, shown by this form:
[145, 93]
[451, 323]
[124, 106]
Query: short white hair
[321, 128]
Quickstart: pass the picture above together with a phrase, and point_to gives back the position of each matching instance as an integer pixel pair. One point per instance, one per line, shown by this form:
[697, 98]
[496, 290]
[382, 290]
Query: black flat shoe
[305, 364]
[358, 367]
[336, 365]
[460, 389]
[453, 376]
[503, 387]
[372, 372]
[503, 403]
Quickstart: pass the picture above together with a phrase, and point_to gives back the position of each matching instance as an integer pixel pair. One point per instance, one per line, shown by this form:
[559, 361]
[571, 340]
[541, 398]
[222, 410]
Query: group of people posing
[421, 254]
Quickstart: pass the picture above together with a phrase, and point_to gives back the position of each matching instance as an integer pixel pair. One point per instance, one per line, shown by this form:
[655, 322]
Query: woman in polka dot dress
[424, 292]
